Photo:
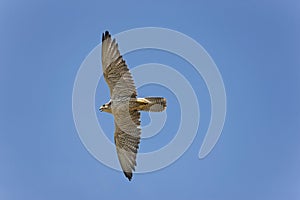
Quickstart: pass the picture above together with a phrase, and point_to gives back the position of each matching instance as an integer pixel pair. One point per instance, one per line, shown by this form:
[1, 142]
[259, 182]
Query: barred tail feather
[155, 104]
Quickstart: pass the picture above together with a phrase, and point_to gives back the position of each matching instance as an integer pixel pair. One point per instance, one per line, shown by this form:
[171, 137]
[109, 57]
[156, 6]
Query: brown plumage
[124, 104]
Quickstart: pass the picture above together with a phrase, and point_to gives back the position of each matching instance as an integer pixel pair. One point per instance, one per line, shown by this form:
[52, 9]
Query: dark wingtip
[128, 175]
[105, 35]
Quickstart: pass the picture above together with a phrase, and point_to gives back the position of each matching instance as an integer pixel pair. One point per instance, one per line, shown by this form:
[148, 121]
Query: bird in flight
[124, 104]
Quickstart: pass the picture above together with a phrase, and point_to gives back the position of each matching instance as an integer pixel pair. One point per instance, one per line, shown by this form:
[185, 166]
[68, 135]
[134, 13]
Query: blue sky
[255, 45]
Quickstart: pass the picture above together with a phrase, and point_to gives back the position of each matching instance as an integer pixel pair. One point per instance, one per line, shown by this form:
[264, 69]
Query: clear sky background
[255, 45]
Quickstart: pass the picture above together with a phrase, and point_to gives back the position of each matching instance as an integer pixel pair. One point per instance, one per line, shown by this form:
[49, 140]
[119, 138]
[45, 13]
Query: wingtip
[105, 35]
[128, 175]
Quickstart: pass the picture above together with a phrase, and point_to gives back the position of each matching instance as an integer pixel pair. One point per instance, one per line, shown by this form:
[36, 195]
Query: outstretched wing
[122, 89]
[115, 70]
[127, 139]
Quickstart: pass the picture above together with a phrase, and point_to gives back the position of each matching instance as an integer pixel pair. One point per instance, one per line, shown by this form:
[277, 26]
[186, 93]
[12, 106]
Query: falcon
[124, 104]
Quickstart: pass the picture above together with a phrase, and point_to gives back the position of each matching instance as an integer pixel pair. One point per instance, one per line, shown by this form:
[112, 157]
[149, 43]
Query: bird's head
[106, 107]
